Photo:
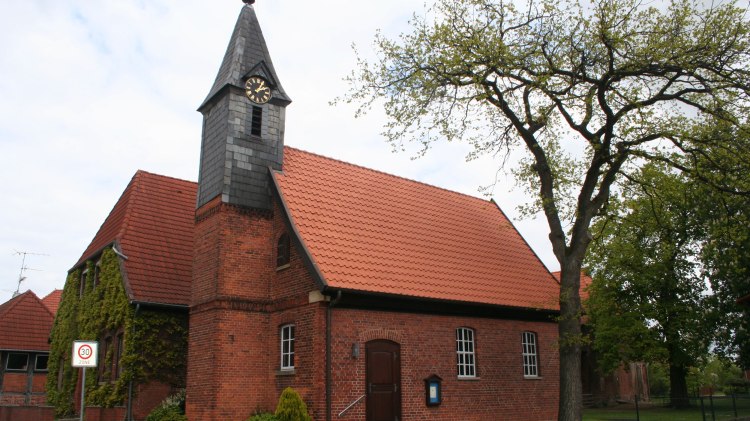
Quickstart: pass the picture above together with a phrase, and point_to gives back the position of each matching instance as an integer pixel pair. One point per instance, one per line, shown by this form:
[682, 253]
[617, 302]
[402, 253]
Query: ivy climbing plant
[154, 340]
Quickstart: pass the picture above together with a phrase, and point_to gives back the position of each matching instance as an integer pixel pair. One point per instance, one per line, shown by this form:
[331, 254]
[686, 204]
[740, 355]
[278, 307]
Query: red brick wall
[39, 383]
[15, 390]
[15, 382]
[428, 347]
[309, 358]
[147, 397]
[229, 371]
[26, 413]
[95, 413]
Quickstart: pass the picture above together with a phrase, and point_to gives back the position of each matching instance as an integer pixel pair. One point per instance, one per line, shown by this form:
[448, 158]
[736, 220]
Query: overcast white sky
[90, 92]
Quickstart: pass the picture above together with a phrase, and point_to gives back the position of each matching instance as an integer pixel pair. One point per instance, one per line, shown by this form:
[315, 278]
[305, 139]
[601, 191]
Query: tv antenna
[24, 268]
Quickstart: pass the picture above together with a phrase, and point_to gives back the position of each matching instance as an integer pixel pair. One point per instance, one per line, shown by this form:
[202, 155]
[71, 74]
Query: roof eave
[418, 304]
[167, 306]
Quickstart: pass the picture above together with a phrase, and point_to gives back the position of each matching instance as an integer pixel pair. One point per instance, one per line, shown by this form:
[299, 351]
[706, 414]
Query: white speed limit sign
[84, 353]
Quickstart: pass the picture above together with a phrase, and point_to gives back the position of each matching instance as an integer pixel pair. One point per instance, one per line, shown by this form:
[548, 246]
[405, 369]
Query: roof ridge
[149, 173]
[13, 302]
[389, 174]
[52, 292]
[44, 300]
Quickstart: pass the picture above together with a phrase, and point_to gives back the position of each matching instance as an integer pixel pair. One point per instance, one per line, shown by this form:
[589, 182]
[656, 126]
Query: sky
[91, 91]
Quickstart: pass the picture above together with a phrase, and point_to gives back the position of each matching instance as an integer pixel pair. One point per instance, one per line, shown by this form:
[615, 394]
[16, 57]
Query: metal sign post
[84, 355]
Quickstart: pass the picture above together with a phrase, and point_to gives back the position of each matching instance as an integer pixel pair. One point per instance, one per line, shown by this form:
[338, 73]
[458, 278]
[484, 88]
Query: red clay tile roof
[583, 290]
[369, 231]
[152, 224]
[25, 324]
[52, 300]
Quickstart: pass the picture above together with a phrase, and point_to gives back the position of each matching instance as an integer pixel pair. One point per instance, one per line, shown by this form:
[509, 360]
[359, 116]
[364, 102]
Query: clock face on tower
[257, 90]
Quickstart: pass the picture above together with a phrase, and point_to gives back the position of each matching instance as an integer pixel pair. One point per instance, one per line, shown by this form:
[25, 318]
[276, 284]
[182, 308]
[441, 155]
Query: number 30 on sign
[84, 353]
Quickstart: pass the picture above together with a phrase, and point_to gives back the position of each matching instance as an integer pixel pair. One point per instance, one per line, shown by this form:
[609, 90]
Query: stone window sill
[286, 372]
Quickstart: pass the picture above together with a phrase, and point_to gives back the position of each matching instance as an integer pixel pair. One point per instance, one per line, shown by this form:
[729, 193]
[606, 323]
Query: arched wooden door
[383, 379]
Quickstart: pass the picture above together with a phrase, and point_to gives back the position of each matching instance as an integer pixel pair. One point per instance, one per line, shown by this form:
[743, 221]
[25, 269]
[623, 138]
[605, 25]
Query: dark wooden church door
[383, 378]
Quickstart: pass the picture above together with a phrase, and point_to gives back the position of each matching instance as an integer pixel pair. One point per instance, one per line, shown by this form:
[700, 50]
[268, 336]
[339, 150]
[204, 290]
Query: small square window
[17, 362]
[41, 362]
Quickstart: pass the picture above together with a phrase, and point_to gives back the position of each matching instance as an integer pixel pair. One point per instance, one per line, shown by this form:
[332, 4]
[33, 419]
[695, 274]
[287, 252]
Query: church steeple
[243, 121]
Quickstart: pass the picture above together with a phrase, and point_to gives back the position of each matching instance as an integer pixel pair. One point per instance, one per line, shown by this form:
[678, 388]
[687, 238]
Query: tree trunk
[678, 392]
[569, 328]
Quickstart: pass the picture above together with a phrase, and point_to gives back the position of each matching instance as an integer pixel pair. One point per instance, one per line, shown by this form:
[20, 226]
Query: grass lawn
[650, 412]
[627, 413]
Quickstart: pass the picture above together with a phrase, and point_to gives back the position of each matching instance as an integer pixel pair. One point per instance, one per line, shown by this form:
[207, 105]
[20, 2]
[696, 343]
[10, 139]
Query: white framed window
[465, 357]
[40, 363]
[530, 355]
[287, 347]
[17, 362]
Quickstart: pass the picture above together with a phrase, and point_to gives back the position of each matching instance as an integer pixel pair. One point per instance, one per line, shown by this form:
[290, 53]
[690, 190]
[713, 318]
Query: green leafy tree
[718, 374]
[725, 256]
[613, 80]
[648, 299]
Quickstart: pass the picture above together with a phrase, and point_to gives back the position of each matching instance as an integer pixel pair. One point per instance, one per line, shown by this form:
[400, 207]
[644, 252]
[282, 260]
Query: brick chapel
[376, 297]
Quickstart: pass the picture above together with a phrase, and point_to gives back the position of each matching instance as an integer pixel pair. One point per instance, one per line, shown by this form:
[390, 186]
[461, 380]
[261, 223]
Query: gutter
[159, 305]
[329, 320]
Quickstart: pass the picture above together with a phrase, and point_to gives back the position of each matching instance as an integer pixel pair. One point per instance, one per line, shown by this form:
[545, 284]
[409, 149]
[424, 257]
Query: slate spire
[246, 54]
[243, 126]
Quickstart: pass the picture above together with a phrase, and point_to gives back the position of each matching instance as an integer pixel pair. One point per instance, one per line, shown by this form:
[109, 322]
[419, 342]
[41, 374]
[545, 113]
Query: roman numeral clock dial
[257, 90]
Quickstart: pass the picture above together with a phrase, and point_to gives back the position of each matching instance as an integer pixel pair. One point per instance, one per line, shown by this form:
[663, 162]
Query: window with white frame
[465, 357]
[287, 347]
[17, 362]
[530, 355]
[40, 363]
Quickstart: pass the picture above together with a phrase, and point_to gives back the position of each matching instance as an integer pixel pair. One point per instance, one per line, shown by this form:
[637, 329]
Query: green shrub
[263, 417]
[171, 409]
[291, 407]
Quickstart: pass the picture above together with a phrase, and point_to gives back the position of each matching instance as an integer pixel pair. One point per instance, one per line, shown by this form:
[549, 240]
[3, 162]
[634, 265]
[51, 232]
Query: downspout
[129, 414]
[329, 320]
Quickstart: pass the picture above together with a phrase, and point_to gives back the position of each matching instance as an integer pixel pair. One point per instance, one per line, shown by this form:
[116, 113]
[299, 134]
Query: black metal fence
[731, 407]
[734, 407]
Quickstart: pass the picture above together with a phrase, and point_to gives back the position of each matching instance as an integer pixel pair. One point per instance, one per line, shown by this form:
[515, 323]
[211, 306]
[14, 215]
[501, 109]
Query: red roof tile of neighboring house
[583, 290]
[369, 231]
[152, 224]
[52, 300]
[25, 323]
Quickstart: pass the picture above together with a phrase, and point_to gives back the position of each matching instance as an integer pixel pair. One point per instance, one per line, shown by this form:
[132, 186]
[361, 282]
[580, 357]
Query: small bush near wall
[263, 417]
[291, 407]
[172, 409]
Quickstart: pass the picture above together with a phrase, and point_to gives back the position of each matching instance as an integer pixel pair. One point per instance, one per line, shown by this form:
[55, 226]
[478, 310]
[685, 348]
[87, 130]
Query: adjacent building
[25, 324]
[129, 291]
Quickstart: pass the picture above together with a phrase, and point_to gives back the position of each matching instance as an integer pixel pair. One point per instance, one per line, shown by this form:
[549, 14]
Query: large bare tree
[589, 90]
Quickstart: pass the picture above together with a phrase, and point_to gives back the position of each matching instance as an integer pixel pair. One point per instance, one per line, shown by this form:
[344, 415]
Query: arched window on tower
[282, 251]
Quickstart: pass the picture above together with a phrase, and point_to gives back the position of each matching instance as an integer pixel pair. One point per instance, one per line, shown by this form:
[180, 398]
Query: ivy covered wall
[154, 340]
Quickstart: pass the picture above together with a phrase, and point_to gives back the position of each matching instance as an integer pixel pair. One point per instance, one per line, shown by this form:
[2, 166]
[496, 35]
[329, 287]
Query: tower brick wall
[240, 300]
